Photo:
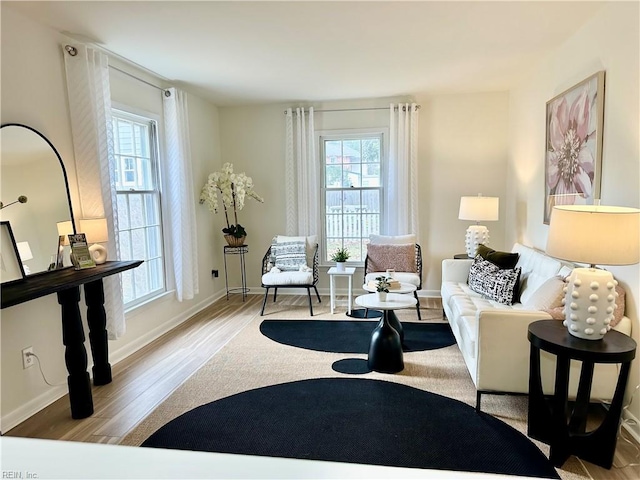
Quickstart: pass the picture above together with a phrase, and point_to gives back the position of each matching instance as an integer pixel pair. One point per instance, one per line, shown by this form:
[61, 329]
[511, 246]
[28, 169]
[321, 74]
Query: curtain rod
[73, 51]
[167, 93]
[354, 109]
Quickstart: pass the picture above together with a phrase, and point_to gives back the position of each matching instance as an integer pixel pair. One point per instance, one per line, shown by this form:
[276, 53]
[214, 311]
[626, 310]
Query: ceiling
[237, 53]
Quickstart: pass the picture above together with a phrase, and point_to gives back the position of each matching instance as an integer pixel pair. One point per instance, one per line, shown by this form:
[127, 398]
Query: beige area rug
[251, 360]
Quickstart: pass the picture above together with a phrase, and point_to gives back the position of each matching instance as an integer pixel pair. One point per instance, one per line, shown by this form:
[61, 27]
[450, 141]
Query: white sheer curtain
[301, 174]
[180, 197]
[401, 199]
[90, 108]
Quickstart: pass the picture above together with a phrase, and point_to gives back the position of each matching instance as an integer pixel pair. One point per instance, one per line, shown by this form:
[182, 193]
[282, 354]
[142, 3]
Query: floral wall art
[573, 153]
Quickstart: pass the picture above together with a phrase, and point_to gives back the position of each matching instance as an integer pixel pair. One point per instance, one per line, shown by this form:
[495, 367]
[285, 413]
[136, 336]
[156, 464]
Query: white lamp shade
[595, 234]
[65, 228]
[24, 250]
[479, 209]
[95, 229]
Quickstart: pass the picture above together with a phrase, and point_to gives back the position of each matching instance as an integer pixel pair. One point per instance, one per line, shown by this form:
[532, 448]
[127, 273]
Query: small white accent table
[333, 273]
[385, 349]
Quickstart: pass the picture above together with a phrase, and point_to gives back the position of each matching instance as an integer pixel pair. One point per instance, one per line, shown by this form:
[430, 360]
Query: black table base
[552, 421]
[385, 349]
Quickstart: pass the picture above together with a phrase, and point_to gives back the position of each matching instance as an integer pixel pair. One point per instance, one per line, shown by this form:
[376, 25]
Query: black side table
[552, 421]
[461, 256]
[241, 251]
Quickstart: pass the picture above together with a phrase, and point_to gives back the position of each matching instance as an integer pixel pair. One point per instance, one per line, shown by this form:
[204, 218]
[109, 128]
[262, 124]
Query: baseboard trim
[19, 415]
[631, 424]
[119, 354]
[356, 290]
[33, 406]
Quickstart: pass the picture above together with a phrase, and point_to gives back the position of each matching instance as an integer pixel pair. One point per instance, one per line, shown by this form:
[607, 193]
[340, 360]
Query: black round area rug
[356, 421]
[349, 336]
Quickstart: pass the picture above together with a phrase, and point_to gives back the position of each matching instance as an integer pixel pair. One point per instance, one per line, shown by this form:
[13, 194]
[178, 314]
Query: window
[138, 205]
[352, 191]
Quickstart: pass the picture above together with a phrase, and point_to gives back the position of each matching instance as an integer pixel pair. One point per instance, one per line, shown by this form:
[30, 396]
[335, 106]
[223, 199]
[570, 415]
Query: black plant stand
[240, 251]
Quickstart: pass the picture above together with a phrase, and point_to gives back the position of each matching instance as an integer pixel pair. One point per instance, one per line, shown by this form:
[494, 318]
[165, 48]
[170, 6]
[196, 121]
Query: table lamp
[478, 209]
[96, 232]
[24, 250]
[593, 234]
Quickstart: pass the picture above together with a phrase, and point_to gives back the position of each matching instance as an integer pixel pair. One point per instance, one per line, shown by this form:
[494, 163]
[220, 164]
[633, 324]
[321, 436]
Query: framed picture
[10, 264]
[573, 152]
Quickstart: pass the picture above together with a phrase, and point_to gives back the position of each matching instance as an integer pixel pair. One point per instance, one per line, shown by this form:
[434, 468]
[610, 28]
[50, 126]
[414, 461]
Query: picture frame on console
[573, 147]
[10, 265]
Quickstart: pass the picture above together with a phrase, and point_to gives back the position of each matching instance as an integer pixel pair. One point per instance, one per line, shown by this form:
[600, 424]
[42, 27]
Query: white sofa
[493, 337]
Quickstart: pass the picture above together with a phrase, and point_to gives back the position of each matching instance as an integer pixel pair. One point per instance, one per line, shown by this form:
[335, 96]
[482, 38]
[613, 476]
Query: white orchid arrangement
[233, 188]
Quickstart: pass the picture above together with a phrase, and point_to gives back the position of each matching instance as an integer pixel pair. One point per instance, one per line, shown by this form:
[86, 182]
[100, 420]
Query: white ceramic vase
[382, 296]
[340, 266]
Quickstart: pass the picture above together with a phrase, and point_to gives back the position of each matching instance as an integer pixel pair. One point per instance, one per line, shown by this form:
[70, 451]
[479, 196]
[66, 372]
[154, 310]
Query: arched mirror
[34, 192]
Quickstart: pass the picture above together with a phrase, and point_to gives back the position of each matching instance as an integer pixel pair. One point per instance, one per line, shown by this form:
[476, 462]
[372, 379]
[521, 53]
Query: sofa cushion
[492, 281]
[500, 259]
[287, 278]
[402, 277]
[547, 296]
[537, 267]
[400, 257]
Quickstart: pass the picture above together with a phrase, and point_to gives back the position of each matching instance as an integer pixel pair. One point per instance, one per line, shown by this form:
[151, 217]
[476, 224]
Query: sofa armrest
[456, 270]
[502, 348]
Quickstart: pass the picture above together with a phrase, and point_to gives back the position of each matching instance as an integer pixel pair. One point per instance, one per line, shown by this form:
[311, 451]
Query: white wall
[609, 42]
[34, 93]
[462, 151]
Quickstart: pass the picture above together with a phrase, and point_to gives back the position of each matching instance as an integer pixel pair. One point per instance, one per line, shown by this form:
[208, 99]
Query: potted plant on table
[340, 256]
[234, 187]
[382, 288]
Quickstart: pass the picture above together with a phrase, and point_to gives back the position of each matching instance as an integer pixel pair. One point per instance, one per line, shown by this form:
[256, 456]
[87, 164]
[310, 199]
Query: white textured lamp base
[476, 234]
[98, 253]
[589, 302]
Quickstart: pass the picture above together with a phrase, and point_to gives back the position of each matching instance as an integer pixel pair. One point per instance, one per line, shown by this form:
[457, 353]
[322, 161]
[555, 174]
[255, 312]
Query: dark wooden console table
[66, 283]
[553, 421]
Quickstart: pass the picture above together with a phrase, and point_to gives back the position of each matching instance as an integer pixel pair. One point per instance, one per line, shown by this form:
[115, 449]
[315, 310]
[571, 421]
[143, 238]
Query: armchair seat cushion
[402, 277]
[281, 279]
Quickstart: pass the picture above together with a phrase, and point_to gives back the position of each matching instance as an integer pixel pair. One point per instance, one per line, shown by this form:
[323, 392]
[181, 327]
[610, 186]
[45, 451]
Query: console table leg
[97, 321]
[75, 355]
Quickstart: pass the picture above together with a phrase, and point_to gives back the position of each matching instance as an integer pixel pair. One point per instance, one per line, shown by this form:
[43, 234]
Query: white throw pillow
[392, 239]
[546, 296]
[312, 241]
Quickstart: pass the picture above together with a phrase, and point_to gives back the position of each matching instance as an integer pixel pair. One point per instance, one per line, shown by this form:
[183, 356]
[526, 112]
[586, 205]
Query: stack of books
[393, 284]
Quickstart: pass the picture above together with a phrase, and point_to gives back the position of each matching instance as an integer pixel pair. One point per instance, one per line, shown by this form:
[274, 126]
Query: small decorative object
[10, 265]
[478, 209]
[96, 231]
[573, 156]
[391, 273]
[382, 288]
[593, 234]
[80, 255]
[340, 256]
[233, 187]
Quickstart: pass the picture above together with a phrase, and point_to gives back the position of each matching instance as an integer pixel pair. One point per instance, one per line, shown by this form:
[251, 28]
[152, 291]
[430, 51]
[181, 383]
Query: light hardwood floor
[143, 380]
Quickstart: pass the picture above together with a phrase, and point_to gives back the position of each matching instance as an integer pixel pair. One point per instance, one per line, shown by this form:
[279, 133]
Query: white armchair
[408, 266]
[291, 262]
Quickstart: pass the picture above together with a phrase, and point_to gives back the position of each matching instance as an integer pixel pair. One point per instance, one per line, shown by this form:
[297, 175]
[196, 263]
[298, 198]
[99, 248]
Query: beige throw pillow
[402, 258]
[547, 296]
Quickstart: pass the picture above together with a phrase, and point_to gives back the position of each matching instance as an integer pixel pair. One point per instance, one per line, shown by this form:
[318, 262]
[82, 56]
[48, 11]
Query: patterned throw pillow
[402, 258]
[289, 256]
[492, 281]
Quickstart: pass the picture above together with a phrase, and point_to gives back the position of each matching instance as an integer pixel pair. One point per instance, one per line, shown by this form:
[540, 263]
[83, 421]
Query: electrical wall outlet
[28, 360]
[214, 273]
